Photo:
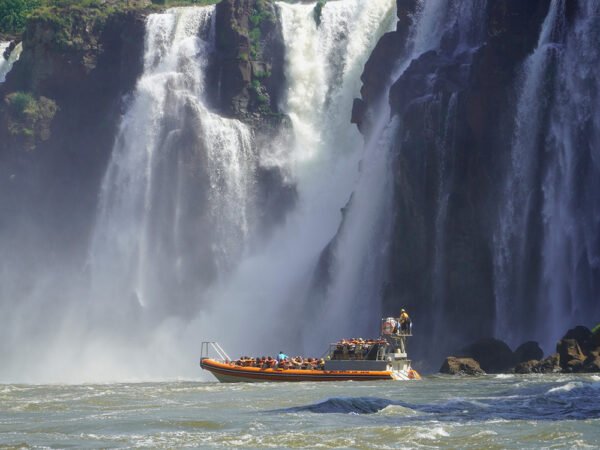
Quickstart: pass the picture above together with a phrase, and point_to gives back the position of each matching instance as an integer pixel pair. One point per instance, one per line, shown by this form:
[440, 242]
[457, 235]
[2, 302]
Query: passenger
[282, 356]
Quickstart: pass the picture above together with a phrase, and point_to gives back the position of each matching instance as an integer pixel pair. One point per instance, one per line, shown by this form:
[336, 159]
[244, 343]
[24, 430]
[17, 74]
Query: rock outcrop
[381, 64]
[493, 355]
[59, 111]
[551, 364]
[528, 351]
[248, 66]
[578, 351]
[461, 366]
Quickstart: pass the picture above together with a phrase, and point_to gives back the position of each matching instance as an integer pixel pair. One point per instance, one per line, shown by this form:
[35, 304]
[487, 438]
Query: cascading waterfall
[175, 255]
[322, 161]
[547, 253]
[175, 224]
[347, 32]
[6, 64]
[570, 284]
[174, 162]
[514, 232]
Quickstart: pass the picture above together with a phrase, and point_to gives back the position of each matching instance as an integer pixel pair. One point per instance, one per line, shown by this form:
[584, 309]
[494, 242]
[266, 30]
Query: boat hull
[230, 373]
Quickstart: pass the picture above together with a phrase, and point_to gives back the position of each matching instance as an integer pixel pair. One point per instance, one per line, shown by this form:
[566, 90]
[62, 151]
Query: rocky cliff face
[455, 102]
[248, 67]
[59, 112]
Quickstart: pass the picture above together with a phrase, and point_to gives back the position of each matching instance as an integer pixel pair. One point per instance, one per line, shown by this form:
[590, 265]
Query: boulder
[461, 366]
[596, 336]
[525, 367]
[570, 354]
[493, 355]
[528, 351]
[551, 364]
[547, 365]
[583, 336]
[592, 363]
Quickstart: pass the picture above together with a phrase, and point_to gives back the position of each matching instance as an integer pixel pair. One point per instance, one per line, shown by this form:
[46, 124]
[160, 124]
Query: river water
[502, 411]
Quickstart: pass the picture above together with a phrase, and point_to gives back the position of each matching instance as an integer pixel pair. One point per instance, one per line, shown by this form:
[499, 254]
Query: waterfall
[327, 148]
[570, 248]
[179, 251]
[511, 260]
[174, 162]
[547, 253]
[6, 64]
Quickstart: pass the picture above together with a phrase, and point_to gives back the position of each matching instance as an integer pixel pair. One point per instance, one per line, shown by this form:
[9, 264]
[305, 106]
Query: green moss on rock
[29, 119]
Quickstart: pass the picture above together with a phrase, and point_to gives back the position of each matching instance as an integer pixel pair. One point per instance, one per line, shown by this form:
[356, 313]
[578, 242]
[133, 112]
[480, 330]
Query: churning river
[502, 411]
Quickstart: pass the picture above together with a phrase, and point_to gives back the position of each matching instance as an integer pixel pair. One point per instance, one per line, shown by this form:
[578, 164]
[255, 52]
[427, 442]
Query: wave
[547, 402]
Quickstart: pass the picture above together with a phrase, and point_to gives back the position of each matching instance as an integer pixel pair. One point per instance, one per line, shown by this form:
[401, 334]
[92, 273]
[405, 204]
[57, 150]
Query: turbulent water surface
[502, 411]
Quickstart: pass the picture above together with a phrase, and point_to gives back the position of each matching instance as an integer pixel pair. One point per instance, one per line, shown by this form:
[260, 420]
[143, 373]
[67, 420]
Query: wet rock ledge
[577, 352]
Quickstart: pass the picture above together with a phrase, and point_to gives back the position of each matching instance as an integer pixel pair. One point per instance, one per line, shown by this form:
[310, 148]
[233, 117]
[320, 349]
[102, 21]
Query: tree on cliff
[13, 14]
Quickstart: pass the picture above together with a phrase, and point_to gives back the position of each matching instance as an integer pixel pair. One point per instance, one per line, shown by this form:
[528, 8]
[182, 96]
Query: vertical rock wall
[455, 103]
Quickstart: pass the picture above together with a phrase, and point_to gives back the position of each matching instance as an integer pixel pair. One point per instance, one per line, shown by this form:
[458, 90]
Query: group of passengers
[357, 348]
[281, 362]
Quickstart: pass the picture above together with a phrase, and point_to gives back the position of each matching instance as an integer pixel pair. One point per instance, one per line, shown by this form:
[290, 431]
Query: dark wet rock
[461, 366]
[571, 355]
[583, 336]
[526, 367]
[494, 355]
[547, 365]
[528, 351]
[381, 64]
[249, 62]
[592, 363]
[10, 48]
[550, 364]
[454, 106]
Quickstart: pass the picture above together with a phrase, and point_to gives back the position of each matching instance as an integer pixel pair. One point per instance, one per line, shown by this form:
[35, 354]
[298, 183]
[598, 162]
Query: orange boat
[349, 359]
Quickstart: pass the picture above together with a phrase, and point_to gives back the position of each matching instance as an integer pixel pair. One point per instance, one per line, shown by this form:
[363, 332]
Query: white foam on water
[504, 376]
[566, 387]
[397, 410]
[433, 433]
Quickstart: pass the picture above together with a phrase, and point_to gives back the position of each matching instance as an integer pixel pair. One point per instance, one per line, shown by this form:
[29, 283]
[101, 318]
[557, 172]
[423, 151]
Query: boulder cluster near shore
[577, 352]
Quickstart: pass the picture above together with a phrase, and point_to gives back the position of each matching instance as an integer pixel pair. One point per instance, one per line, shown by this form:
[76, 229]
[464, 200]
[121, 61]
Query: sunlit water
[491, 412]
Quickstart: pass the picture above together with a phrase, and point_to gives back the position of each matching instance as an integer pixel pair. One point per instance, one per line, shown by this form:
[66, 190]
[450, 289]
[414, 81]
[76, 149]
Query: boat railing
[205, 350]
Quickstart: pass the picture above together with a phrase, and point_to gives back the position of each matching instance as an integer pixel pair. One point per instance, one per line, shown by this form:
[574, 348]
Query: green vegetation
[596, 330]
[13, 14]
[262, 14]
[29, 118]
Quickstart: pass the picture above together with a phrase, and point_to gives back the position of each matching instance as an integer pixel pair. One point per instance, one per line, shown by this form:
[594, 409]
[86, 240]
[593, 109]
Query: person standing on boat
[282, 357]
[405, 322]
